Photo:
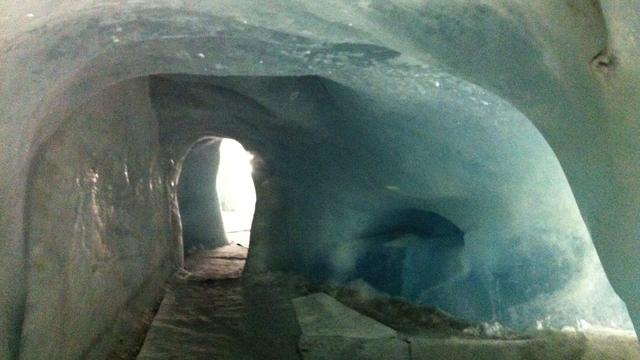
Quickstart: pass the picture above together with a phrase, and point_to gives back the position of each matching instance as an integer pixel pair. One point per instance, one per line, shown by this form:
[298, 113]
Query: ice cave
[244, 179]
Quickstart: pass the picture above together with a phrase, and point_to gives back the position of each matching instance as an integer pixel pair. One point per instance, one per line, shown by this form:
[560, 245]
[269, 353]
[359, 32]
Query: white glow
[236, 192]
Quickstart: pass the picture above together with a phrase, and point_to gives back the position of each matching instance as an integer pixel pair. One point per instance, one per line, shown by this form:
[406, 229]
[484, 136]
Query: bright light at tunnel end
[236, 191]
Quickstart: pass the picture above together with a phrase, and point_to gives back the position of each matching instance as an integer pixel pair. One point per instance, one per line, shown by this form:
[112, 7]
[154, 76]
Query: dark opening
[410, 251]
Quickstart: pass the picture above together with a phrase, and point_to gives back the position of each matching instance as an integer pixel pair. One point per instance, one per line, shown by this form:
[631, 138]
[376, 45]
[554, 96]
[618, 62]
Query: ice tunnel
[216, 195]
[476, 158]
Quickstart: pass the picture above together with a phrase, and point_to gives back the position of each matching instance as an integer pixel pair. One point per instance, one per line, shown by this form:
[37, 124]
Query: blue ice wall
[407, 252]
[453, 202]
[100, 239]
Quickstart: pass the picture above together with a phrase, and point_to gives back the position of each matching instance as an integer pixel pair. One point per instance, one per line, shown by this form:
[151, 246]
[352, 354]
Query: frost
[494, 329]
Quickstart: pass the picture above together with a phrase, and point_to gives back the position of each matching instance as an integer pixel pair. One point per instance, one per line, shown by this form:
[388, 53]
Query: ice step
[331, 330]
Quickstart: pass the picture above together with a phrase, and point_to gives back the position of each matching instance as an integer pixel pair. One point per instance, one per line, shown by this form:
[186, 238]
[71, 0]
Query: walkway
[208, 314]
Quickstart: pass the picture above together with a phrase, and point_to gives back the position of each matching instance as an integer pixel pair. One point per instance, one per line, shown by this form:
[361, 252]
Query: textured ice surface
[99, 239]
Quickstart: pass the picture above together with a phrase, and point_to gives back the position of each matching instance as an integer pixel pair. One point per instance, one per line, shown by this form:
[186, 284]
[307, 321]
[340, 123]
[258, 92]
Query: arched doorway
[216, 195]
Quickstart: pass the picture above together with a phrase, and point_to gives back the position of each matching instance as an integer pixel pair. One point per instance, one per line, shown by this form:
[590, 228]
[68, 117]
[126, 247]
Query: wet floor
[207, 313]
[211, 312]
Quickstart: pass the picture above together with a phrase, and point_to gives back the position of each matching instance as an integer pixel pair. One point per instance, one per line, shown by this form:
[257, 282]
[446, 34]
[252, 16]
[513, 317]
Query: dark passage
[410, 251]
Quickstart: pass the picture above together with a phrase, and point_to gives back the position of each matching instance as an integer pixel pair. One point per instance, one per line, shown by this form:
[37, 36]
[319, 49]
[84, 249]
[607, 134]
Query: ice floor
[210, 312]
[207, 314]
[237, 226]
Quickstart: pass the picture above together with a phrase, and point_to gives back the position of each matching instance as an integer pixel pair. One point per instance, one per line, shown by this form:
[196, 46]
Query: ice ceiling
[368, 119]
